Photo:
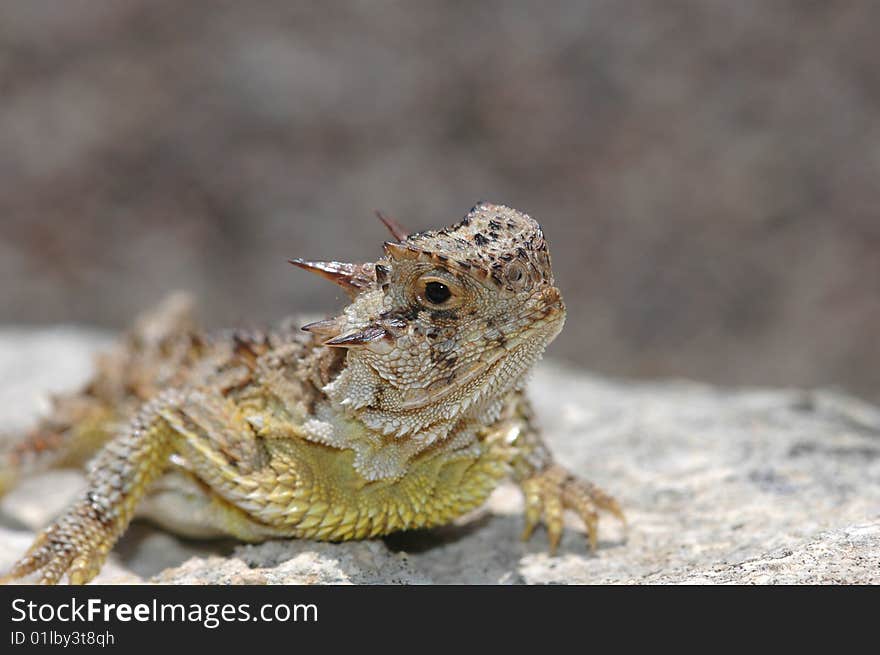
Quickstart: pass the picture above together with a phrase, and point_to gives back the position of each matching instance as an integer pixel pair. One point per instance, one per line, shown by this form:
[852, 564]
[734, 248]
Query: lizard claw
[549, 493]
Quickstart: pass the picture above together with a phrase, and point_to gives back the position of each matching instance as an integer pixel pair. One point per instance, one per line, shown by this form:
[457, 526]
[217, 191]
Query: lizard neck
[363, 395]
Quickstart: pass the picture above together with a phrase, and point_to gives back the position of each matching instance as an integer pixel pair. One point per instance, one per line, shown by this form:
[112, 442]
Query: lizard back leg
[80, 423]
[76, 429]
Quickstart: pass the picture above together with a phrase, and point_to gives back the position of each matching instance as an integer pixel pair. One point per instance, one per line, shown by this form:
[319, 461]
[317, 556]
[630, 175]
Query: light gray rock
[719, 485]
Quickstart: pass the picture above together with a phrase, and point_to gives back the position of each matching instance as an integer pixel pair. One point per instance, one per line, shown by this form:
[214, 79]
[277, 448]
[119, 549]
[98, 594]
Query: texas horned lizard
[405, 411]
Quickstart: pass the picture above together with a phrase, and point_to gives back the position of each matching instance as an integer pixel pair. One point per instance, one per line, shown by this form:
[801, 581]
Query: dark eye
[437, 292]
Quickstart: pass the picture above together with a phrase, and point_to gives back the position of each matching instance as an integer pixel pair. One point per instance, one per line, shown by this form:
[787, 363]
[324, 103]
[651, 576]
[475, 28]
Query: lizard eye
[437, 292]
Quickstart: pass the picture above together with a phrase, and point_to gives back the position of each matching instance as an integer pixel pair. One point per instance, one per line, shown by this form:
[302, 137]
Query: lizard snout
[552, 298]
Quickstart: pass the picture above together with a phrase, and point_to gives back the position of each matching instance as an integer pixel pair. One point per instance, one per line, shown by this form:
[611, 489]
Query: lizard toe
[552, 491]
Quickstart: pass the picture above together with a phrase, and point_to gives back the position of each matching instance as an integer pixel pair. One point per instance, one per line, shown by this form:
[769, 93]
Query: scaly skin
[403, 412]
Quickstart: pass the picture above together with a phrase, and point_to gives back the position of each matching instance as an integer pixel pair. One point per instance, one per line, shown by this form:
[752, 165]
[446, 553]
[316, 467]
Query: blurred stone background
[708, 172]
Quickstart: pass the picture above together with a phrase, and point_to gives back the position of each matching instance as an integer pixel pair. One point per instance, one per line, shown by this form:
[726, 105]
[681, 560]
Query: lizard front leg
[549, 488]
[203, 427]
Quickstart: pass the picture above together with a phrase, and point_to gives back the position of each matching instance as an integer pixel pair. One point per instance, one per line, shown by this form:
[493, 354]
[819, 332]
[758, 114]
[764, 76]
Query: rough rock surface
[720, 486]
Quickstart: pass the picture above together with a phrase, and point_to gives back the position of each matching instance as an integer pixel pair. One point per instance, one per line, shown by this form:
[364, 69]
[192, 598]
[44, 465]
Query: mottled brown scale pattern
[404, 411]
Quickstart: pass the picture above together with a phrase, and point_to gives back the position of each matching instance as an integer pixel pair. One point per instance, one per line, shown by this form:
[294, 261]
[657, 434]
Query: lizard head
[446, 323]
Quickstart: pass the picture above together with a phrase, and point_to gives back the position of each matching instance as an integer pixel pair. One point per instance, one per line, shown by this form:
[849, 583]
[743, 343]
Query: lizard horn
[326, 329]
[400, 251]
[397, 230]
[359, 338]
[351, 277]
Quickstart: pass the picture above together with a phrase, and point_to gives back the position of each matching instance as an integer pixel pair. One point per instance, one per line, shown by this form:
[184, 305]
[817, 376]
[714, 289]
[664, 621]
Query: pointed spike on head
[358, 338]
[382, 273]
[401, 252]
[351, 277]
[326, 329]
[397, 230]
[330, 270]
